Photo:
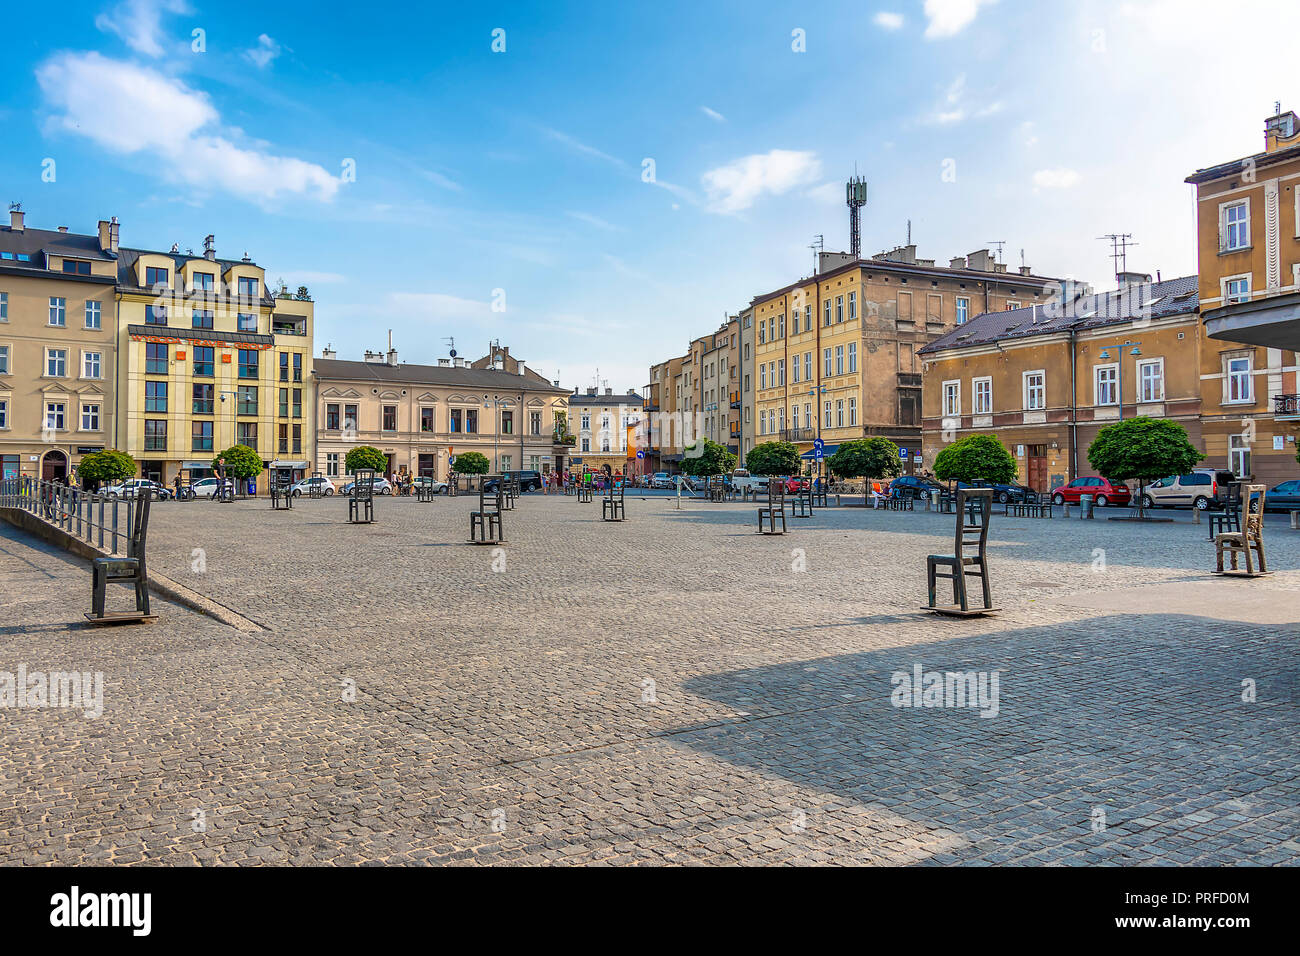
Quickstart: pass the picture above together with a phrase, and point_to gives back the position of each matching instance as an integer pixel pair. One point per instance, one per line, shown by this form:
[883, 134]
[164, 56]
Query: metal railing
[97, 519]
[1286, 405]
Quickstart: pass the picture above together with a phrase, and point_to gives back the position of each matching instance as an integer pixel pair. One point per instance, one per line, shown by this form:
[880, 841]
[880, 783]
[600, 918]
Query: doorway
[1036, 468]
[54, 466]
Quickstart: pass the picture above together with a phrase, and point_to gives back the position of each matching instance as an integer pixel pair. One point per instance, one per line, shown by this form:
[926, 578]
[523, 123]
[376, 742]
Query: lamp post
[495, 405]
[1119, 376]
[816, 391]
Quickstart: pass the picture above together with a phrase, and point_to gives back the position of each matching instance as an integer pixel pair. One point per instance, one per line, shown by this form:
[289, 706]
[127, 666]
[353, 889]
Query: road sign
[640, 454]
[819, 449]
[902, 453]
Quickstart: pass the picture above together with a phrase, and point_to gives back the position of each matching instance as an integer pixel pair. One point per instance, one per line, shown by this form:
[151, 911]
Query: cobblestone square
[672, 689]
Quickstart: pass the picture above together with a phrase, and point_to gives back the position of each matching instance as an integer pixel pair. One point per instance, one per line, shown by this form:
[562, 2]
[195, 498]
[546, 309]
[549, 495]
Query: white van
[742, 479]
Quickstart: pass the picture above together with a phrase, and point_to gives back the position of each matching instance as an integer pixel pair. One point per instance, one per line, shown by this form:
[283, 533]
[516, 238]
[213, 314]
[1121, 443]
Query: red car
[1103, 491]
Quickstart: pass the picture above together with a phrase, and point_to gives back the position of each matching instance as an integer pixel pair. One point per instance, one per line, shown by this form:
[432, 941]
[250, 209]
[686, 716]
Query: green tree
[773, 458]
[106, 468]
[471, 463]
[713, 459]
[365, 456]
[1142, 449]
[241, 462]
[975, 458]
[866, 458]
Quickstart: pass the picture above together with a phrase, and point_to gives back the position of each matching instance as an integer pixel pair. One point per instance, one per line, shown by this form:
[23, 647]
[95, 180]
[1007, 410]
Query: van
[1200, 489]
[742, 479]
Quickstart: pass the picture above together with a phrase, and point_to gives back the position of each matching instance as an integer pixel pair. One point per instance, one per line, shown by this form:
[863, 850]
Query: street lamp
[815, 391]
[1119, 375]
[495, 405]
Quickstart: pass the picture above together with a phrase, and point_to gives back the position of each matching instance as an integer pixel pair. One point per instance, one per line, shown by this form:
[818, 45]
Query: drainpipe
[1074, 405]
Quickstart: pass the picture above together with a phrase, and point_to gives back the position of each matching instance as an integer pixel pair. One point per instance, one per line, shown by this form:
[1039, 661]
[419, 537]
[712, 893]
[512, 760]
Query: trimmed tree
[1142, 449]
[365, 456]
[471, 463]
[106, 467]
[975, 458]
[713, 459]
[242, 462]
[870, 458]
[773, 458]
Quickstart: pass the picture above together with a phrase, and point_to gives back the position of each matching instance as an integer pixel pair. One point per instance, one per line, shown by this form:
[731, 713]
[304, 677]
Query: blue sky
[517, 177]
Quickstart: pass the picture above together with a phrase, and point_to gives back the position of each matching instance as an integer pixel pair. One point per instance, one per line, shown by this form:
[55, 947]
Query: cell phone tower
[856, 197]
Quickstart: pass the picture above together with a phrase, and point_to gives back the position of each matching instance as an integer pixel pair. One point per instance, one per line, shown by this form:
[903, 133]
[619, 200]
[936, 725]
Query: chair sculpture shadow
[1248, 542]
[969, 558]
[775, 507]
[1227, 517]
[361, 503]
[128, 570]
[485, 522]
[611, 506]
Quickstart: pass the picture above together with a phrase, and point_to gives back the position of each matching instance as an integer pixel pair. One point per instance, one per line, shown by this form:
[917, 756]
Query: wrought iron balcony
[798, 434]
[1286, 407]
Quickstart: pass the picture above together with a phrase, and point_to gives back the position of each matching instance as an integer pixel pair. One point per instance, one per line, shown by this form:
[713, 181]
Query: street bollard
[1196, 517]
[1295, 520]
[1085, 506]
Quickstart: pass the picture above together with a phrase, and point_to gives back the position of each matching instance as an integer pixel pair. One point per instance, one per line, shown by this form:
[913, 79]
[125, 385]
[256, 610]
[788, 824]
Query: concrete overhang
[1272, 323]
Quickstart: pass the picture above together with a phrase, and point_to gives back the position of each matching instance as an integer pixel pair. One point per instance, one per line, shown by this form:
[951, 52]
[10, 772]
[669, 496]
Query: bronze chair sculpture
[1248, 542]
[969, 557]
[775, 507]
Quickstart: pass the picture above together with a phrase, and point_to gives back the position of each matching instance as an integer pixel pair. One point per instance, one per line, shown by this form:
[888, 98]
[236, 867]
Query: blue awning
[827, 451]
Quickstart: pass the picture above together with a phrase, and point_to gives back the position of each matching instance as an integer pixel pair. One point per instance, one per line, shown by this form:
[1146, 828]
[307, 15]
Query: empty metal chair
[1247, 542]
[128, 570]
[775, 507]
[361, 503]
[969, 558]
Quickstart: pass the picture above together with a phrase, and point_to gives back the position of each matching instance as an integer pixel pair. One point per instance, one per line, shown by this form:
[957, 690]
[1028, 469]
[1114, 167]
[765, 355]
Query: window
[807, 318]
[427, 419]
[780, 326]
[246, 400]
[4, 419]
[155, 358]
[507, 423]
[155, 278]
[839, 360]
[1012, 304]
[982, 395]
[284, 403]
[1239, 455]
[201, 436]
[1107, 385]
[826, 357]
[4, 360]
[853, 356]
[203, 281]
[1151, 380]
[332, 417]
[203, 398]
[826, 313]
[1236, 289]
[155, 396]
[794, 371]
[248, 287]
[826, 414]
[586, 444]
[155, 315]
[204, 359]
[93, 313]
[471, 421]
[297, 403]
[332, 464]
[248, 363]
[853, 305]
[54, 416]
[839, 308]
[202, 318]
[794, 417]
[155, 434]
[90, 365]
[839, 413]
[247, 322]
[58, 311]
[282, 444]
[951, 398]
[297, 366]
[90, 418]
[297, 439]
[1239, 380]
[457, 419]
[246, 433]
[76, 267]
[1035, 391]
[56, 362]
[534, 424]
[807, 366]
[284, 366]
[4, 306]
[853, 411]
[963, 309]
[1234, 226]
[780, 372]
[762, 376]
[762, 333]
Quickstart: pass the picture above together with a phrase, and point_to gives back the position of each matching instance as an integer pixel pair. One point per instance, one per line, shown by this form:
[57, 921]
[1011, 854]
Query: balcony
[909, 380]
[798, 434]
[1286, 408]
[735, 399]
[559, 439]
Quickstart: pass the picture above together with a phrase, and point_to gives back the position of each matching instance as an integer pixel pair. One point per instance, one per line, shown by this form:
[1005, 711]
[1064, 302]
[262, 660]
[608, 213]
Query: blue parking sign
[902, 453]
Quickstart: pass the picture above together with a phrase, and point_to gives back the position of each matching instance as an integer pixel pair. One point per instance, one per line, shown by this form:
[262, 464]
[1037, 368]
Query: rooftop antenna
[998, 243]
[909, 232]
[855, 195]
[1119, 244]
[451, 343]
[817, 245]
[1022, 258]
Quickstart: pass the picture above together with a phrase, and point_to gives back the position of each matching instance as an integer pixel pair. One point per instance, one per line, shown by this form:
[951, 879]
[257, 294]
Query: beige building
[420, 416]
[58, 350]
[606, 426]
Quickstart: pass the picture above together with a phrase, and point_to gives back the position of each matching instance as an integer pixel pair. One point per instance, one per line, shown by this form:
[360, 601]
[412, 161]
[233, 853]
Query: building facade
[835, 355]
[1248, 246]
[422, 416]
[607, 427]
[746, 381]
[58, 348]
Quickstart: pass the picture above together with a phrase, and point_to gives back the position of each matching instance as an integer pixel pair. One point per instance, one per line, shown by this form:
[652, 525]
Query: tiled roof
[629, 398]
[1170, 297]
[496, 379]
[38, 243]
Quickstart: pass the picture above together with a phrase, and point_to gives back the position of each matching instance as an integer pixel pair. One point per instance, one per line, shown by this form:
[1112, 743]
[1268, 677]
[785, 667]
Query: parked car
[1005, 491]
[1103, 491]
[913, 486]
[742, 479]
[137, 486]
[203, 488]
[304, 486]
[528, 480]
[662, 479]
[1284, 497]
[421, 481]
[382, 486]
[1199, 489]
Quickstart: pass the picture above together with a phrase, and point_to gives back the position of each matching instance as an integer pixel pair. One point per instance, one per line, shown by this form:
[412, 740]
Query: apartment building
[607, 426]
[835, 354]
[1248, 245]
[746, 381]
[421, 416]
[58, 347]
[719, 384]
[1046, 378]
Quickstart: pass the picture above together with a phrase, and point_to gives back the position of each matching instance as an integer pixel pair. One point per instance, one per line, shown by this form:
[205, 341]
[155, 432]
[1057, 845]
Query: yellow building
[209, 358]
[605, 425]
[57, 347]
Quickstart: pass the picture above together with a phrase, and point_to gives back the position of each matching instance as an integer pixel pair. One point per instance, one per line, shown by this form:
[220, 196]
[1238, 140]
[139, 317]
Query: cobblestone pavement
[674, 688]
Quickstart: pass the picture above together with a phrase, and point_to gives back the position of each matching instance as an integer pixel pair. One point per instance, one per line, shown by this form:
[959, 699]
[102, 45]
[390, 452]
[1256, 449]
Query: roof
[621, 398]
[38, 243]
[341, 369]
[1152, 300]
[1236, 167]
[200, 335]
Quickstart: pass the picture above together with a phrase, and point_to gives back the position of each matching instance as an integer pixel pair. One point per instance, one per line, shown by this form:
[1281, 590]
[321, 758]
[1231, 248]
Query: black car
[913, 486]
[528, 480]
[1005, 491]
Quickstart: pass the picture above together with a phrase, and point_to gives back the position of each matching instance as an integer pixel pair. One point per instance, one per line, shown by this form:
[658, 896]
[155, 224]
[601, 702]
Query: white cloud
[1060, 178]
[581, 147]
[139, 23]
[713, 114]
[591, 220]
[735, 186]
[139, 110]
[262, 54]
[949, 17]
[831, 193]
[888, 21]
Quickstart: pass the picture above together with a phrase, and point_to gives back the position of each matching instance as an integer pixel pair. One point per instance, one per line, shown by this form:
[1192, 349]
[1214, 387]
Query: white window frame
[839, 309]
[950, 397]
[1227, 230]
[97, 310]
[1142, 366]
[85, 364]
[839, 360]
[853, 412]
[1012, 304]
[59, 310]
[1097, 383]
[826, 358]
[1248, 377]
[1226, 280]
[50, 416]
[1041, 388]
[853, 357]
[827, 313]
[86, 410]
[853, 306]
[49, 357]
[839, 413]
[828, 413]
[984, 407]
[4, 414]
[963, 309]
[4, 366]
[1239, 455]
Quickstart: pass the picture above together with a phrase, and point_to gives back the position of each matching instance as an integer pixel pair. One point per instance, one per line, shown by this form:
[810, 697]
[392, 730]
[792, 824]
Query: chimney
[1026, 271]
[210, 248]
[328, 353]
[522, 370]
[1129, 279]
[609, 391]
[392, 356]
[63, 229]
[16, 217]
[591, 391]
[958, 263]
[979, 261]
